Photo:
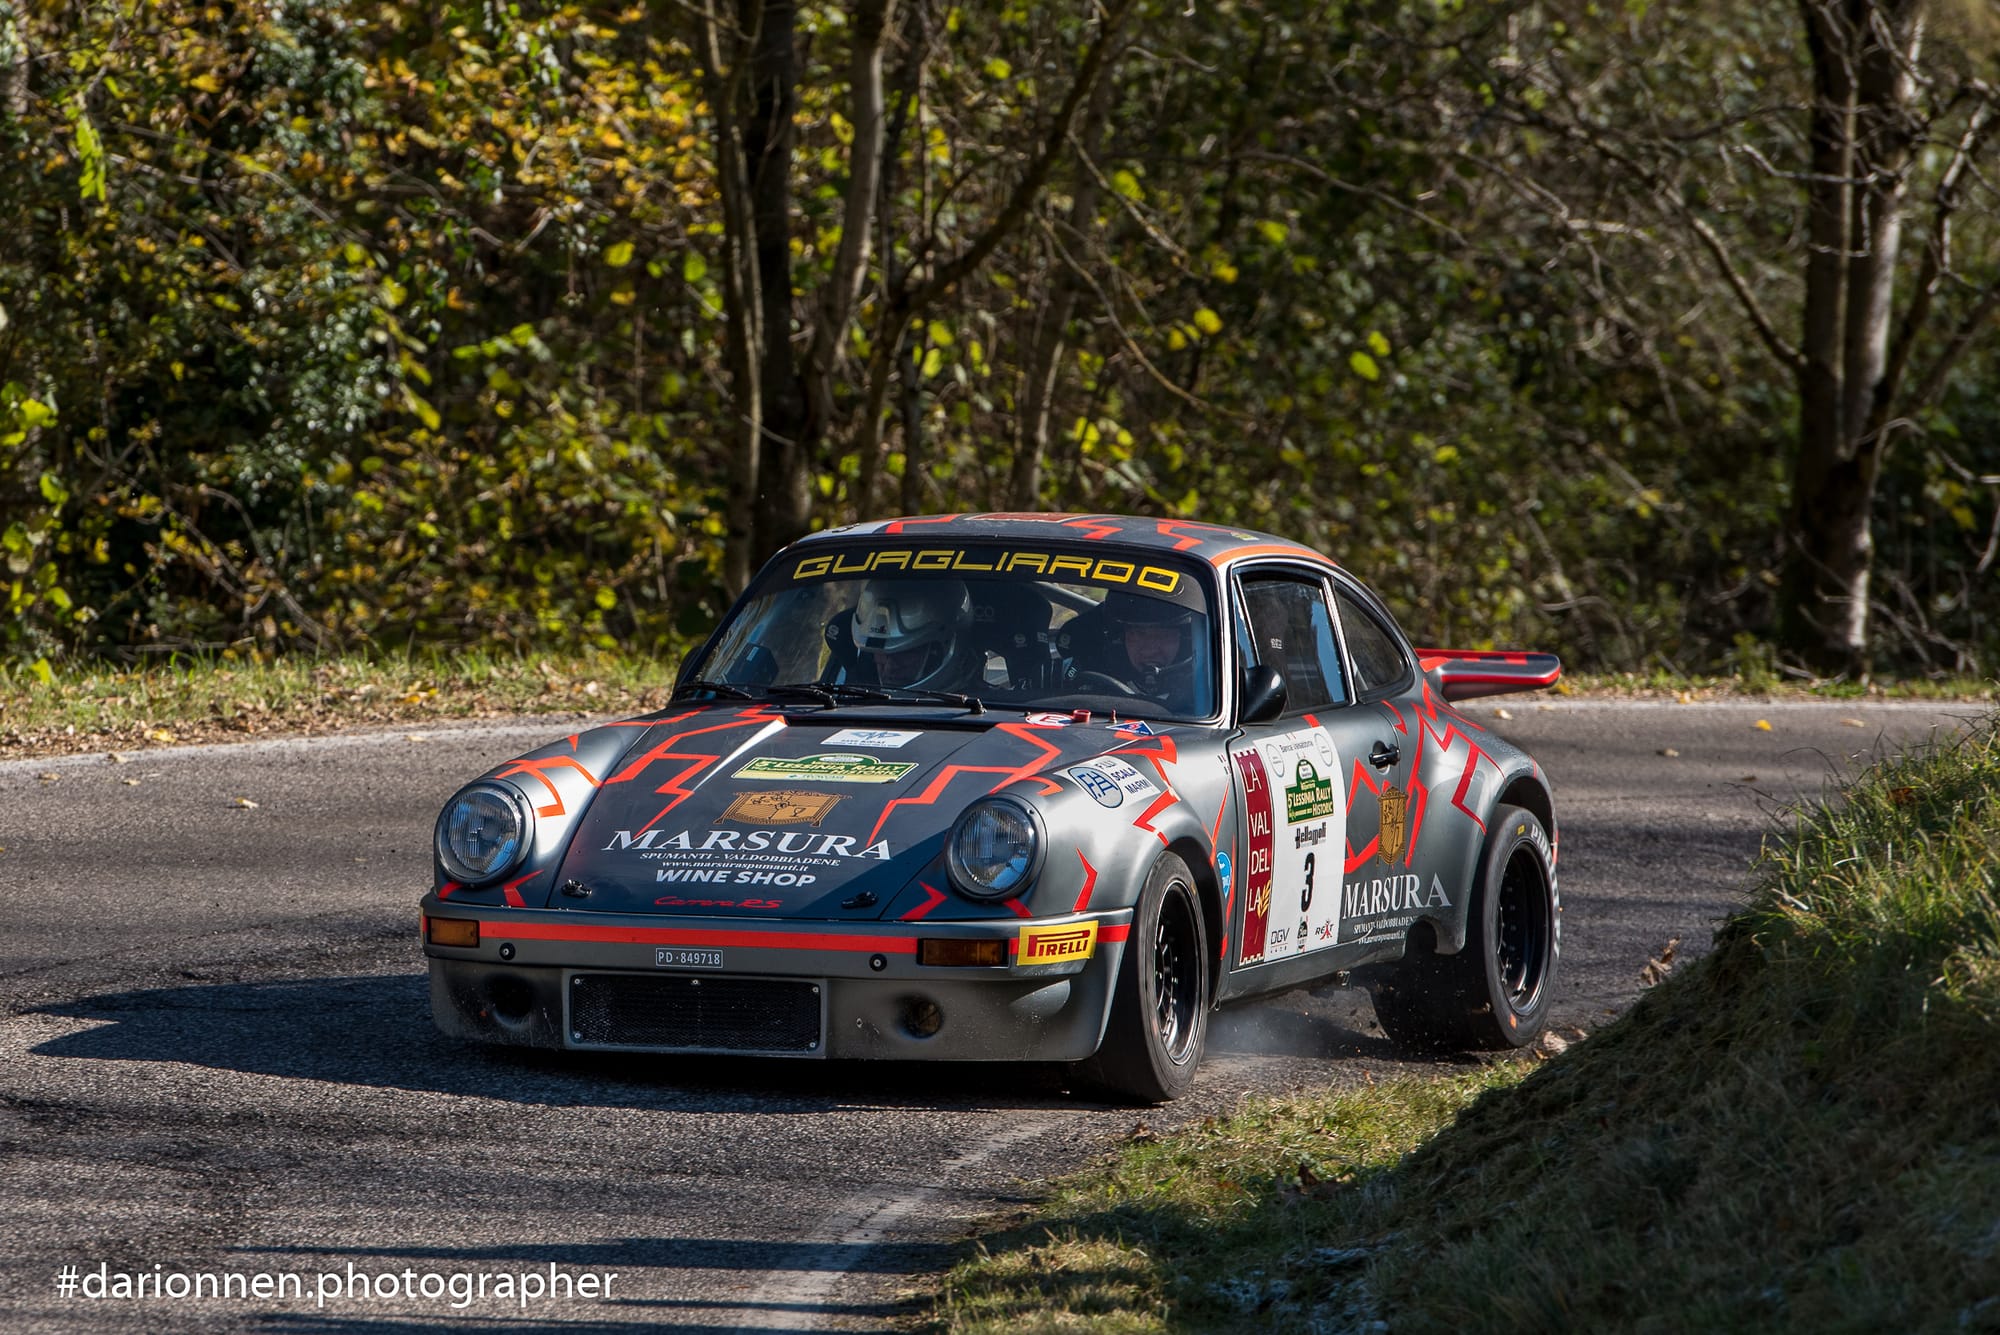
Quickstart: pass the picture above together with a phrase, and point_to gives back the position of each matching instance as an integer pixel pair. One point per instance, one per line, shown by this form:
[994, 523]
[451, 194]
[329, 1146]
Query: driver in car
[1156, 638]
[914, 632]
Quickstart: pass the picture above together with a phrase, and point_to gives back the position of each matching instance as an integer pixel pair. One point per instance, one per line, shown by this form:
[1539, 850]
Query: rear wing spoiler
[1466, 674]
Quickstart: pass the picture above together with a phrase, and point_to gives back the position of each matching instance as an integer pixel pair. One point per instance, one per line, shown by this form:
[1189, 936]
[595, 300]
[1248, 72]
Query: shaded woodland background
[1666, 335]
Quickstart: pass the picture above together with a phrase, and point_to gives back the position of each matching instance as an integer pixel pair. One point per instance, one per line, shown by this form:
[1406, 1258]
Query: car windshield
[1036, 630]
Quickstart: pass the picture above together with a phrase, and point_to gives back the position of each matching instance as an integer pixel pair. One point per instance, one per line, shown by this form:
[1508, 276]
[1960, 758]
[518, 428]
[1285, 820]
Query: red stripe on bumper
[681, 936]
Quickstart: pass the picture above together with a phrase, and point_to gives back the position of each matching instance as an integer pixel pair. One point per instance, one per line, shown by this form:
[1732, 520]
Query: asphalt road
[217, 1063]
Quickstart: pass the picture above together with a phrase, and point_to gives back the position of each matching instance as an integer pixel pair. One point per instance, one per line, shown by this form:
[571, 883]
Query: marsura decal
[832, 847]
[1388, 904]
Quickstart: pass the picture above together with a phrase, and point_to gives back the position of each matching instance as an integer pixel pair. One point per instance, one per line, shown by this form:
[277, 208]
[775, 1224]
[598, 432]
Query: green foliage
[364, 323]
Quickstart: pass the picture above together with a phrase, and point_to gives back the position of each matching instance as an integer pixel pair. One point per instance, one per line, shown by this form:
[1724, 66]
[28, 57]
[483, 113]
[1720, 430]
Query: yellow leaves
[1763, 725]
[208, 83]
[1363, 365]
[1377, 344]
[164, 736]
[1127, 185]
[619, 254]
[244, 803]
[693, 267]
[996, 68]
[1208, 321]
[1223, 269]
[1274, 232]
[421, 407]
[393, 293]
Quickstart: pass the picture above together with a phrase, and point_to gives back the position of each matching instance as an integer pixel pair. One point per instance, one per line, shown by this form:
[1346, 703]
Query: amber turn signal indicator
[959, 952]
[452, 931]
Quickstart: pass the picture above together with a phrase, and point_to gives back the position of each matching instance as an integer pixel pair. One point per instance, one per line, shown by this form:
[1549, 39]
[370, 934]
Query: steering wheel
[1104, 679]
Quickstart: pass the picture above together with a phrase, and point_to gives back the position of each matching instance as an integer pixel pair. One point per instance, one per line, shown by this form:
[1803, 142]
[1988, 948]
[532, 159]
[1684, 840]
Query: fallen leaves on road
[1852, 723]
[245, 802]
[1662, 964]
[48, 776]
[1669, 752]
[1763, 725]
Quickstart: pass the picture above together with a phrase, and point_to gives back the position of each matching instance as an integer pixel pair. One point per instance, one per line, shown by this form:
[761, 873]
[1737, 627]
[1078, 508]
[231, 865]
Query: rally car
[1014, 787]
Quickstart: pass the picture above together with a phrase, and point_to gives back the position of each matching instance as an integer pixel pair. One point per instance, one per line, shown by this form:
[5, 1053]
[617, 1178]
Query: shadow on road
[376, 1031]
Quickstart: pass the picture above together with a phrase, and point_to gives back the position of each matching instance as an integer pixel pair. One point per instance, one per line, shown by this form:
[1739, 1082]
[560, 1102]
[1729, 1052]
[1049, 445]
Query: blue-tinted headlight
[483, 833]
[995, 849]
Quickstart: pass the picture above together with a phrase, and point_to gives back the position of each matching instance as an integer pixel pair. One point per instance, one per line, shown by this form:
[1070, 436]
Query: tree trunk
[742, 297]
[1861, 132]
[788, 436]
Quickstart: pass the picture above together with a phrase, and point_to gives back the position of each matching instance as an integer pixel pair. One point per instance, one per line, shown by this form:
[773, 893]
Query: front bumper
[527, 981]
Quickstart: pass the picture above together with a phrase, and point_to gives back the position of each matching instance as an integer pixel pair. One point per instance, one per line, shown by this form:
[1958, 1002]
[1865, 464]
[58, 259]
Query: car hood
[753, 813]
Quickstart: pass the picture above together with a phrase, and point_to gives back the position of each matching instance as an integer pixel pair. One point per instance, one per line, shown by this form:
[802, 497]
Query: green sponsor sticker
[838, 768]
[1309, 797]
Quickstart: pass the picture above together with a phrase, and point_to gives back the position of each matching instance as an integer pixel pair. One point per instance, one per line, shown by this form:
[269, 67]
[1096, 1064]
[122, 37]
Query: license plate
[675, 957]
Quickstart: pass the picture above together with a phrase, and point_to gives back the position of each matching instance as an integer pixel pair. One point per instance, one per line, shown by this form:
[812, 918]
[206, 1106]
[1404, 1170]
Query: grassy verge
[103, 708]
[1799, 1132]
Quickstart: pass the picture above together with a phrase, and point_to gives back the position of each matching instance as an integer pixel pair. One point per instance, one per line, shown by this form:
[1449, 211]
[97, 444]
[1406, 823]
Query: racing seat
[1010, 621]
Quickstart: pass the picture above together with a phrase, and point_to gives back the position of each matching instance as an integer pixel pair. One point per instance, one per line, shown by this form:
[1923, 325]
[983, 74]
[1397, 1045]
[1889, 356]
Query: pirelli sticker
[1057, 945]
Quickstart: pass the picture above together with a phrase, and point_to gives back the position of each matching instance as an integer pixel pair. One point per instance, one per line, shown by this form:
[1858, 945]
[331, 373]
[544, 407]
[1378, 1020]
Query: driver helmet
[1157, 638]
[914, 630]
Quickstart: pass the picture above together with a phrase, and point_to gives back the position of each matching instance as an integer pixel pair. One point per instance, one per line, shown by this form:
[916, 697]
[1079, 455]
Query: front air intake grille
[679, 1014]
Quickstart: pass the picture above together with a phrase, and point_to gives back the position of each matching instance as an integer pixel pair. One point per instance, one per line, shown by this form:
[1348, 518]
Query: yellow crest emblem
[1395, 824]
[780, 806]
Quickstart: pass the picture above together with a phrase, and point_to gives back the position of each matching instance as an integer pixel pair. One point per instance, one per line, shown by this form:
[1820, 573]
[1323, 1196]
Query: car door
[1287, 771]
[1379, 891]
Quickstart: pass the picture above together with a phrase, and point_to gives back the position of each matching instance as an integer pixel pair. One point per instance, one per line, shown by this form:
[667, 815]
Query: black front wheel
[1495, 992]
[1159, 1013]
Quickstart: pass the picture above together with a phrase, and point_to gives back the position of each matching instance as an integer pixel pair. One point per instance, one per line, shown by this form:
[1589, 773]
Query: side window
[1378, 659]
[1291, 630]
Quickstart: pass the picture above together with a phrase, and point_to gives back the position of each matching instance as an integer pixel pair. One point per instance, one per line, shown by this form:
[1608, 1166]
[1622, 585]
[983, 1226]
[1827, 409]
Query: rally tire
[1496, 991]
[1159, 1011]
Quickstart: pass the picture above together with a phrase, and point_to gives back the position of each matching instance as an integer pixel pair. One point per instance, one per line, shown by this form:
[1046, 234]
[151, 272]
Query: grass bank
[1799, 1132]
[101, 707]
[104, 708]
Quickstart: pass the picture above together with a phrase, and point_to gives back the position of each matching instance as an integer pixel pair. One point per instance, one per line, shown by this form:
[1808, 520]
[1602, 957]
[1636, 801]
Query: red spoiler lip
[1466, 674]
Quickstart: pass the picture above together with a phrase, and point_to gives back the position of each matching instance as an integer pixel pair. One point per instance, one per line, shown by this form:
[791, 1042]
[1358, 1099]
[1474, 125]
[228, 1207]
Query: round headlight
[483, 833]
[994, 849]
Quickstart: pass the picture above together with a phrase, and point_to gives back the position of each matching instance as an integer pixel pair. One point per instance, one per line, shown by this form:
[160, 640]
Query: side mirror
[1263, 694]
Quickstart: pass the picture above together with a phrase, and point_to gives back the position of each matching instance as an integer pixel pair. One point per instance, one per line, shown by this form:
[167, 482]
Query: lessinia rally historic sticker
[826, 769]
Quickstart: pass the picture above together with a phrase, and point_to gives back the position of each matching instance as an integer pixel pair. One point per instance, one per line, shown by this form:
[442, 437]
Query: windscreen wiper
[911, 695]
[721, 688]
[826, 692]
